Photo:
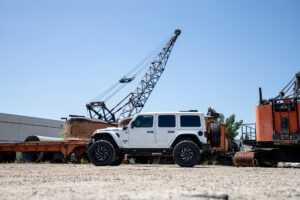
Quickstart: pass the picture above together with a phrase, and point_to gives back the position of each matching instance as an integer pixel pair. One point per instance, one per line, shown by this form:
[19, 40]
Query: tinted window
[166, 121]
[190, 121]
[144, 121]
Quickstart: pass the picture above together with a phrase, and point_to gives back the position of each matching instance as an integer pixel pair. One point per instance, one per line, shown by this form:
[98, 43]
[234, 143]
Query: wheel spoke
[186, 153]
[101, 153]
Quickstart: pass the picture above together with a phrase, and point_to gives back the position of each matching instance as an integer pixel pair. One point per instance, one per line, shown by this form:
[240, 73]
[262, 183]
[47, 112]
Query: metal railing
[248, 131]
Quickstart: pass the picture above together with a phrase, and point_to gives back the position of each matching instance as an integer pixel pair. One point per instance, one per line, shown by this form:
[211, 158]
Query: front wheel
[102, 153]
[186, 153]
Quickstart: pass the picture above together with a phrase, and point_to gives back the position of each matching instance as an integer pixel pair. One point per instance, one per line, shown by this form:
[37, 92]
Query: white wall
[17, 128]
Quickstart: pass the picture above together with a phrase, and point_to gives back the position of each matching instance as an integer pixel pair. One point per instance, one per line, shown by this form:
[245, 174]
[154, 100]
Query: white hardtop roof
[176, 112]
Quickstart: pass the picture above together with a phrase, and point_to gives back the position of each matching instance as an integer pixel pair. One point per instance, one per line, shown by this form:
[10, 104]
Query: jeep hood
[108, 129]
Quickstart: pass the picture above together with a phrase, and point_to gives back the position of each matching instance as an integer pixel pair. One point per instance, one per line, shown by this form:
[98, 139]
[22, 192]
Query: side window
[190, 121]
[166, 121]
[144, 121]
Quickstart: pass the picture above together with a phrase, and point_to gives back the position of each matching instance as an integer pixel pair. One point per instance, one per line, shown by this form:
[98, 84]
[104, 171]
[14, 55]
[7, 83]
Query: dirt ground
[86, 181]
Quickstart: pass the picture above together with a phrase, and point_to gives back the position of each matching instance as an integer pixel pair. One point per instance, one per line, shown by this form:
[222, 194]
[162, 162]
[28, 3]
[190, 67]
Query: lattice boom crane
[135, 101]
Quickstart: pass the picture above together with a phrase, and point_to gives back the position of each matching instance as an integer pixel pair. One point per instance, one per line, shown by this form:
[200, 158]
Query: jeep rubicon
[178, 134]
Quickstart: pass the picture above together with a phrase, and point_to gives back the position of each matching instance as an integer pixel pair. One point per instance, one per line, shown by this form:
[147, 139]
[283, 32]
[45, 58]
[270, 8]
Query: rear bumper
[206, 147]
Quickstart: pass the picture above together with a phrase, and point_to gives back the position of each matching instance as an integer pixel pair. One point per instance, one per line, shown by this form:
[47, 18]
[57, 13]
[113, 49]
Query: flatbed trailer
[66, 147]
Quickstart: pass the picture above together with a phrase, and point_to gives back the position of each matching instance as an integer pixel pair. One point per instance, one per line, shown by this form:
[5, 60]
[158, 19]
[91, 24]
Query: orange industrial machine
[277, 129]
[217, 138]
[222, 148]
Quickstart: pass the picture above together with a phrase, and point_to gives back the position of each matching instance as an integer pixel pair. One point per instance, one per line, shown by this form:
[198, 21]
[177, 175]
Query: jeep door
[166, 128]
[142, 133]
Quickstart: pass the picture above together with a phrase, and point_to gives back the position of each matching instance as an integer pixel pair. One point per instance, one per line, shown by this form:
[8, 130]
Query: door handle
[171, 131]
[150, 132]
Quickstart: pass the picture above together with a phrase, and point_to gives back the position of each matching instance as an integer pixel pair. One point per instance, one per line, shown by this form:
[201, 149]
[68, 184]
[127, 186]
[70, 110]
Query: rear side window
[190, 121]
[144, 121]
[166, 121]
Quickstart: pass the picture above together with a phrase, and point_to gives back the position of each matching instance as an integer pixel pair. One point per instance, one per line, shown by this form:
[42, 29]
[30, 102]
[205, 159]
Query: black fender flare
[105, 136]
[192, 137]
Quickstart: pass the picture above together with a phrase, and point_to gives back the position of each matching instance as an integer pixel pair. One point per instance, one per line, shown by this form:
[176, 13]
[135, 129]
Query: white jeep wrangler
[178, 134]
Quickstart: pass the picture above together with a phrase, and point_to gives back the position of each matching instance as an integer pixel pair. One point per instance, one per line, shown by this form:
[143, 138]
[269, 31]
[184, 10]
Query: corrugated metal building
[17, 127]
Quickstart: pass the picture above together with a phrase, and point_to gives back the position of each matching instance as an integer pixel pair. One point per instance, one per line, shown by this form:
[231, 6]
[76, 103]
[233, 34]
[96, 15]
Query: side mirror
[125, 128]
[133, 124]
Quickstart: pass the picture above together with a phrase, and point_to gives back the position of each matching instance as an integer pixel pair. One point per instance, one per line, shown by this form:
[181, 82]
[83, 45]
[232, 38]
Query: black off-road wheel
[102, 153]
[186, 153]
[118, 159]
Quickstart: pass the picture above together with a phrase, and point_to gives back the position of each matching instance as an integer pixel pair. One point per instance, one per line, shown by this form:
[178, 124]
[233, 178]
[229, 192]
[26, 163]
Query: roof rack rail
[188, 111]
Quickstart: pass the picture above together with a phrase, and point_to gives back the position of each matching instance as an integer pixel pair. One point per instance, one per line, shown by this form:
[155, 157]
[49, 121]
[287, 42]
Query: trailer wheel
[118, 159]
[102, 153]
[32, 156]
[186, 153]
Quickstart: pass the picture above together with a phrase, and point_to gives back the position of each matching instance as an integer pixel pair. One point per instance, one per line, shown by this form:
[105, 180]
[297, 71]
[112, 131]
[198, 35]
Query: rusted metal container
[81, 128]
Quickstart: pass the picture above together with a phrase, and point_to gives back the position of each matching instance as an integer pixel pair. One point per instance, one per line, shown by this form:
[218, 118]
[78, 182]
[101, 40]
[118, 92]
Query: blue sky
[56, 56]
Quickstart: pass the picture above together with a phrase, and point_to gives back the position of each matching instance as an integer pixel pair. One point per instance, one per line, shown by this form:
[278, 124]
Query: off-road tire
[118, 159]
[215, 136]
[186, 153]
[102, 153]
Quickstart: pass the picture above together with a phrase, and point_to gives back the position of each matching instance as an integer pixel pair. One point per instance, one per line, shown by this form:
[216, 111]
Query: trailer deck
[66, 147]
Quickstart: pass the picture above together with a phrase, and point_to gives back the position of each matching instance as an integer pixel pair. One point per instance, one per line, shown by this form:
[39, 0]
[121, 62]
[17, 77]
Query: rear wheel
[186, 153]
[102, 153]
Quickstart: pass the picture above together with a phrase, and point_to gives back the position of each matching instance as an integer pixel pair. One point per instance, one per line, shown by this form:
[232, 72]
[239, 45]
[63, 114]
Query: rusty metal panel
[81, 128]
[244, 158]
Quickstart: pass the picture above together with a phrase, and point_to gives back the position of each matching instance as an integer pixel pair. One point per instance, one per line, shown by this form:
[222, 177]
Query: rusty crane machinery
[277, 136]
[78, 129]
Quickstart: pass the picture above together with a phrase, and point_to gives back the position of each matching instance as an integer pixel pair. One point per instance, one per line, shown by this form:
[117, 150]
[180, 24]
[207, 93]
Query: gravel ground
[85, 181]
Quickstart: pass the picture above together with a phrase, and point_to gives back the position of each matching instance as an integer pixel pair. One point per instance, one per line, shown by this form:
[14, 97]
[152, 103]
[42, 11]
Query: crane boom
[134, 102]
[141, 94]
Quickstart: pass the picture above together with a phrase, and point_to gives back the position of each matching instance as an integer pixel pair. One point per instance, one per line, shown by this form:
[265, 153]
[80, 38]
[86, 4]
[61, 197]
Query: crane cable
[114, 89]
[147, 58]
